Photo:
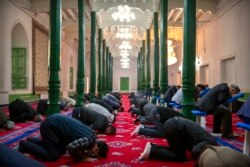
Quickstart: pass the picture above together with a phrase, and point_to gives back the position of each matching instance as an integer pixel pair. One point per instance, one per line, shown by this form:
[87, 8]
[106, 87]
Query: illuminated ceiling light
[125, 60]
[123, 14]
[124, 56]
[125, 45]
[124, 33]
[171, 53]
[172, 60]
[124, 51]
[124, 64]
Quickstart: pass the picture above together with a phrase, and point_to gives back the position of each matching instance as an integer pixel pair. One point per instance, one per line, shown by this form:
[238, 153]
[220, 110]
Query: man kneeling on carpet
[182, 134]
[94, 120]
[60, 133]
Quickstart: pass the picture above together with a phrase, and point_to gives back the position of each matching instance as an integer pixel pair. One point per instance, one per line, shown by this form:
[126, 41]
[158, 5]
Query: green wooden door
[124, 83]
[19, 79]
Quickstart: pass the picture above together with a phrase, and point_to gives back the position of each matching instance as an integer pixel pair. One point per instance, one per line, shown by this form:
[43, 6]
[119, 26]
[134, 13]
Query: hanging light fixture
[125, 66]
[125, 45]
[124, 33]
[124, 59]
[171, 53]
[123, 14]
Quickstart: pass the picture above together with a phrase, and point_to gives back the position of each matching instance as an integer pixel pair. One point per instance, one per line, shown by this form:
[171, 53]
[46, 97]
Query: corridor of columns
[52, 49]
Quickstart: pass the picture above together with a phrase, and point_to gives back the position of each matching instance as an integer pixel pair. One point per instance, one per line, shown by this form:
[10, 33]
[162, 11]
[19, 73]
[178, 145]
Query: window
[19, 79]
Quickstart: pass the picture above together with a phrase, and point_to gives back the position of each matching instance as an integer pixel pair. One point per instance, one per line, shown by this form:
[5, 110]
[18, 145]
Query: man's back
[66, 129]
[216, 96]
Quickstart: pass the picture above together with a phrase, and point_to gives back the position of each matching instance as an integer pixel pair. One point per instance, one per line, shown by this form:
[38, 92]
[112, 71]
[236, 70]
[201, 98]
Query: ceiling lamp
[171, 53]
[125, 66]
[123, 14]
[125, 45]
[124, 56]
[125, 60]
[171, 60]
[124, 51]
[124, 33]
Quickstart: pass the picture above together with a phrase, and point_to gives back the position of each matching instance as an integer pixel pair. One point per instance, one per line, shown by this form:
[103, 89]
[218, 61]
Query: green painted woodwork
[148, 77]
[124, 83]
[138, 72]
[99, 85]
[110, 73]
[55, 38]
[81, 55]
[103, 66]
[24, 97]
[19, 79]
[143, 65]
[156, 53]
[164, 46]
[93, 57]
[188, 76]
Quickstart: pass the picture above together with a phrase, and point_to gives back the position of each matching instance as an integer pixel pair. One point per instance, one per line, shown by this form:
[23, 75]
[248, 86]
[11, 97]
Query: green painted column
[107, 71]
[93, 57]
[138, 72]
[110, 73]
[81, 56]
[55, 38]
[188, 76]
[164, 46]
[99, 86]
[111, 69]
[141, 71]
[103, 66]
[144, 77]
[156, 53]
[148, 77]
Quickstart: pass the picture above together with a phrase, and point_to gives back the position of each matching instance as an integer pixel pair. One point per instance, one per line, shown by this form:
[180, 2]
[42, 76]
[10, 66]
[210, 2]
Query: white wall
[227, 36]
[9, 17]
[131, 72]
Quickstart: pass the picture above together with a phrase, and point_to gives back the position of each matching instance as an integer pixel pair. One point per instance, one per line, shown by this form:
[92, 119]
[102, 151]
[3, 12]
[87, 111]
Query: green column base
[53, 109]
[186, 110]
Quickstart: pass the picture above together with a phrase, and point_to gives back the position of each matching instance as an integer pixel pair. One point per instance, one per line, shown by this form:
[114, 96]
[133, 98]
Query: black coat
[183, 134]
[219, 94]
[91, 118]
[166, 113]
[104, 104]
[20, 111]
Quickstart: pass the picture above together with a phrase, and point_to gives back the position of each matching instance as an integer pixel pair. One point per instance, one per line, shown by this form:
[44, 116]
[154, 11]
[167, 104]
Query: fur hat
[236, 87]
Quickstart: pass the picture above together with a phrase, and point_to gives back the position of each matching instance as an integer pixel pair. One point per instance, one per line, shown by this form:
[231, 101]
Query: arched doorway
[19, 44]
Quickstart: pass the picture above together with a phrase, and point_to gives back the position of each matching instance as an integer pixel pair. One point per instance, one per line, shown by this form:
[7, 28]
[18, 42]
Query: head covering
[236, 87]
[103, 148]
[10, 124]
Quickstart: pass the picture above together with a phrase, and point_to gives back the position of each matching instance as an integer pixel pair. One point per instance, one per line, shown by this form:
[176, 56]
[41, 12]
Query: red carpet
[238, 142]
[123, 149]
